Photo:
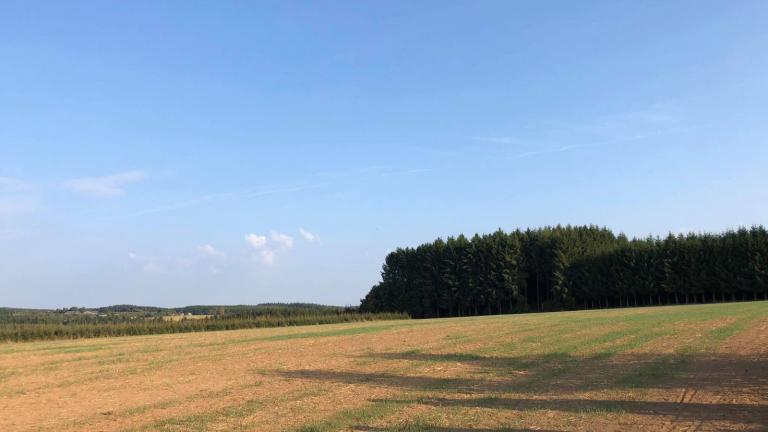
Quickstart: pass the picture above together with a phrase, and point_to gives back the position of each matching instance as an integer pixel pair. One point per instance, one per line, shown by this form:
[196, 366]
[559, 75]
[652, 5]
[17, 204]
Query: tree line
[570, 267]
[27, 325]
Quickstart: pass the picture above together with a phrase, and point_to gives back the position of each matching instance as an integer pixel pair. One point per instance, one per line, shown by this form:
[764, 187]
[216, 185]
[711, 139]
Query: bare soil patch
[704, 368]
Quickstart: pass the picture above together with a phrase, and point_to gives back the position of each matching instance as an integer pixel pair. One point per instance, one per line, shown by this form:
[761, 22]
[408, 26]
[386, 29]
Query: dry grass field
[654, 369]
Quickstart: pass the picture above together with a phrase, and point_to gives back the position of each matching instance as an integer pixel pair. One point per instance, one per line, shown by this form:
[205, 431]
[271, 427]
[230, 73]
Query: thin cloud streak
[499, 140]
[657, 120]
[638, 137]
[554, 150]
[308, 235]
[283, 190]
[354, 171]
[212, 197]
[253, 193]
[104, 186]
[408, 171]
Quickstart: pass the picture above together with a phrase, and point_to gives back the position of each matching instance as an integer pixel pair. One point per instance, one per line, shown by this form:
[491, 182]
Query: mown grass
[573, 347]
[656, 371]
[365, 415]
[209, 419]
[338, 332]
[479, 373]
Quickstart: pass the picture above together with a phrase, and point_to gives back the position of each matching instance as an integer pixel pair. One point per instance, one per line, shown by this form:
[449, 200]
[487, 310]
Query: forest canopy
[569, 267]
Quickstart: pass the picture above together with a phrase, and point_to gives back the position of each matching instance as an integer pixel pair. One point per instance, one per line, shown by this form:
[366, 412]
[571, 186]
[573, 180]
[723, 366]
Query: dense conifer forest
[570, 267]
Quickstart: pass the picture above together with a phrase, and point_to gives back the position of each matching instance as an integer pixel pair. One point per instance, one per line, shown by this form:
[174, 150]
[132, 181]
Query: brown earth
[687, 368]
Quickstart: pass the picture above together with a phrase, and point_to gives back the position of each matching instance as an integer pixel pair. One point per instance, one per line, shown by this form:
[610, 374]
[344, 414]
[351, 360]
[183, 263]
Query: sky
[174, 153]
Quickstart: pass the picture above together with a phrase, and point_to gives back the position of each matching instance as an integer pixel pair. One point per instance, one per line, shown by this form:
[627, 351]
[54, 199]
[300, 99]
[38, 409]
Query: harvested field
[674, 368]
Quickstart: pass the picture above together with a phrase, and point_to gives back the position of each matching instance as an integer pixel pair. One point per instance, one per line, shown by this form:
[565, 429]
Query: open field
[698, 368]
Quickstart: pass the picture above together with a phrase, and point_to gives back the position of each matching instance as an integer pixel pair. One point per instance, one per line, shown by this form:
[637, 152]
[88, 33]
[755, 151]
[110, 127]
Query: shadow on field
[698, 385]
[561, 373]
[749, 413]
[602, 371]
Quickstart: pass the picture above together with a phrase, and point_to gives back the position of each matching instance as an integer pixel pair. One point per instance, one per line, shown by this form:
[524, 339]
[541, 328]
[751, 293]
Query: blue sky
[174, 153]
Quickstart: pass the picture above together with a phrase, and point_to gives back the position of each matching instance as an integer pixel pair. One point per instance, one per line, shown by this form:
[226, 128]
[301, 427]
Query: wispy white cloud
[105, 186]
[210, 251]
[256, 241]
[266, 249]
[309, 236]
[283, 241]
[264, 253]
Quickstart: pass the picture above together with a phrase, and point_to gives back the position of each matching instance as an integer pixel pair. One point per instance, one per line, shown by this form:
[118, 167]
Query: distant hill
[193, 309]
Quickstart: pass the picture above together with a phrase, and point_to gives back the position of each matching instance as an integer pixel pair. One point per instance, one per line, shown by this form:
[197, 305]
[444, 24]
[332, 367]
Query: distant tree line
[570, 267]
[206, 309]
[19, 325]
[261, 308]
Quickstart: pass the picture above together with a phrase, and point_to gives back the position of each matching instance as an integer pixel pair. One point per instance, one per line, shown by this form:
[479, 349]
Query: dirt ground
[683, 368]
